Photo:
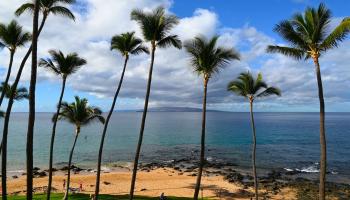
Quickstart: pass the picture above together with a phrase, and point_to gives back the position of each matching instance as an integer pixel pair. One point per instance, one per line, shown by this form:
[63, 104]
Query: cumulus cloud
[174, 82]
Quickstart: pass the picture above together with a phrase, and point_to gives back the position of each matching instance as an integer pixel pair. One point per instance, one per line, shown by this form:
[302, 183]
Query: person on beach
[162, 197]
[64, 184]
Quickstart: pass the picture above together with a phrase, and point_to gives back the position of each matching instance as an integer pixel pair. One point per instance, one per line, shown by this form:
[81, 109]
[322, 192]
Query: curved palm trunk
[254, 150]
[70, 162]
[7, 77]
[323, 144]
[202, 156]
[4, 150]
[9, 108]
[31, 119]
[6, 82]
[53, 138]
[97, 189]
[143, 121]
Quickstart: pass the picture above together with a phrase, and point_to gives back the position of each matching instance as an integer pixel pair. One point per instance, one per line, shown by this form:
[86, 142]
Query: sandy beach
[152, 183]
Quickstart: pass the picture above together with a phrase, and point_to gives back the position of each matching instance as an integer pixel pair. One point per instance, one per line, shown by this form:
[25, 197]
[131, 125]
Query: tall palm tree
[46, 7]
[155, 26]
[252, 89]
[126, 44]
[63, 66]
[31, 117]
[207, 59]
[12, 37]
[309, 37]
[78, 113]
[18, 94]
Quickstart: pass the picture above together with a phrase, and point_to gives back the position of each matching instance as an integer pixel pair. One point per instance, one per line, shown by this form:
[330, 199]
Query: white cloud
[174, 83]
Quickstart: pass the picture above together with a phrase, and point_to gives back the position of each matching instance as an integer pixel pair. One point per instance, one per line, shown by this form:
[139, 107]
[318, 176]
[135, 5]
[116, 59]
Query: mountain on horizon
[177, 109]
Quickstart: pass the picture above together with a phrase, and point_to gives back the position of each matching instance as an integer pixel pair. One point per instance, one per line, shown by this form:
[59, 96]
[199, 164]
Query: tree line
[307, 35]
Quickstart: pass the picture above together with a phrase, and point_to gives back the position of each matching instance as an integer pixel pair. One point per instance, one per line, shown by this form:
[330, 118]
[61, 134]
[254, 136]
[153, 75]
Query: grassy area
[86, 197]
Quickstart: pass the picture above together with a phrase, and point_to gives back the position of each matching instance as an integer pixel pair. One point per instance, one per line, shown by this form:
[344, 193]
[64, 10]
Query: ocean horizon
[285, 141]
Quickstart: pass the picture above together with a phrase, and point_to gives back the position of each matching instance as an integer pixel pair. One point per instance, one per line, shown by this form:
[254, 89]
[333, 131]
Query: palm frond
[140, 49]
[245, 85]
[63, 11]
[206, 58]
[155, 25]
[171, 40]
[21, 93]
[79, 112]
[270, 91]
[287, 51]
[48, 64]
[65, 1]
[61, 64]
[336, 36]
[285, 29]
[27, 7]
[237, 87]
[18, 94]
[259, 83]
[13, 36]
[127, 43]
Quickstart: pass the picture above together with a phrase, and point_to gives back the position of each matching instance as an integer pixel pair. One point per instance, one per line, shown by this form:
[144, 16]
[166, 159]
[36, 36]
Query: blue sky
[244, 25]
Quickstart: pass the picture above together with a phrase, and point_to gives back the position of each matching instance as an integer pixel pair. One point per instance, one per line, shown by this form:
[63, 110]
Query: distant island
[177, 109]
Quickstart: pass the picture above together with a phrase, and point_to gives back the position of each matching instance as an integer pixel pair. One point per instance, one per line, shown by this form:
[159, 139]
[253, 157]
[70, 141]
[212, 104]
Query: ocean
[288, 141]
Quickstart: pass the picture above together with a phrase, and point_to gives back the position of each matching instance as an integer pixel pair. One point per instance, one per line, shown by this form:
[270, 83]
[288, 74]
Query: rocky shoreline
[272, 182]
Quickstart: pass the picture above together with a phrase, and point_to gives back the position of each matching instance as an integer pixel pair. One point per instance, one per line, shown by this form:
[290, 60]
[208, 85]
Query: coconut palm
[308, 36]
[18, 94]
[62, 66]
[78, 113]
[45, 7]
[126, 44]
[32, 88]
[155, 27]
[12, 37]
[207, 59]
[252, 89]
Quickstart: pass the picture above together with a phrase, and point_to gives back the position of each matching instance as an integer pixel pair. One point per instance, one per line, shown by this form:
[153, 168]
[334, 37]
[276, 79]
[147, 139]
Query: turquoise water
[285, 140]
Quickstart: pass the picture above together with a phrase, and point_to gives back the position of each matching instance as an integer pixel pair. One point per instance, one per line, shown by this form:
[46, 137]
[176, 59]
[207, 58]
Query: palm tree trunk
[323, 144]
[6, 82]
[21, 67]
[254, 151]
[202, 156]
[9, 108]
[31, 120]
[97, 189]
[7, 77]
[53, 138]
[70, 162]
[143, 121]
[4, 150]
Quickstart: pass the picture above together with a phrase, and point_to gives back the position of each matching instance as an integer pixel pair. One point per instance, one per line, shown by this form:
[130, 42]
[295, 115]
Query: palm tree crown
[308, 34]
[20, 93]
[61, 64]
[48, 6]
[127, 43]
[13, 36]
[251, 88]
[206, 58]
[80, 113]
[156, 26]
